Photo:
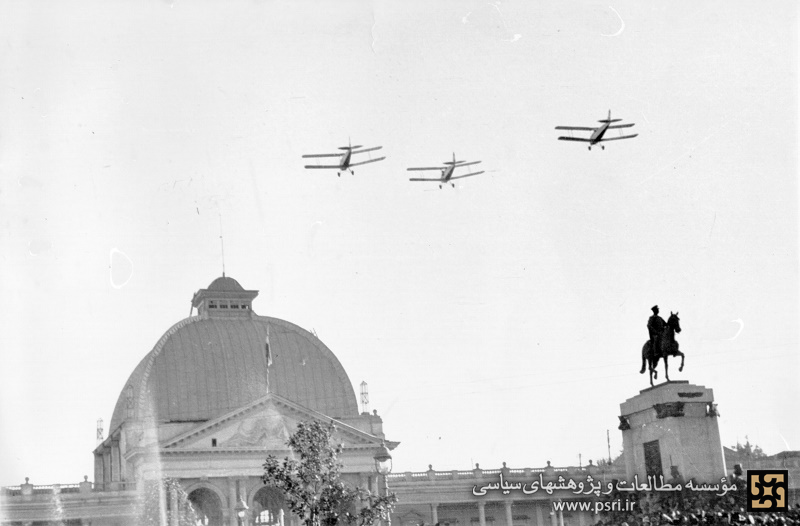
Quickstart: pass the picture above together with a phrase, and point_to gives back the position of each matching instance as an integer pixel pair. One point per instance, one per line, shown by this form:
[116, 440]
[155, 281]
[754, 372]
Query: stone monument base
[672, 426]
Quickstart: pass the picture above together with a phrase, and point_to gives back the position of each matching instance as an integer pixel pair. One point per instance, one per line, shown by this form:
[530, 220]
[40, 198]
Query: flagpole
[267, 357]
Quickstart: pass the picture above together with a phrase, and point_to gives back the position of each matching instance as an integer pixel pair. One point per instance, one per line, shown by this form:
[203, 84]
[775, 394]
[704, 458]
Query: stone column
[107, 473]
[509, 516]
[481, 513]
[234, 519]
[243, 495]
[174, 516]
[116, 464]
[99, 476]
[553, 518]
[560, 517]
[162, 503]
[539, 516]
[434, 514]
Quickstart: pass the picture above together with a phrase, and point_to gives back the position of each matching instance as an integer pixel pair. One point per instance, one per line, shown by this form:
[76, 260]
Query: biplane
[598, 133]
[446, 172]
[345, 158]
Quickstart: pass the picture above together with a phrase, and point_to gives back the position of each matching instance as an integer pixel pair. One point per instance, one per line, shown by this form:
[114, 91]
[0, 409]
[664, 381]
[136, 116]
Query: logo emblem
[767, 489]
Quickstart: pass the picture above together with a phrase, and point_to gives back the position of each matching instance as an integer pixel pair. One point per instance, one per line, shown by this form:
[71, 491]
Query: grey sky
[498, 321]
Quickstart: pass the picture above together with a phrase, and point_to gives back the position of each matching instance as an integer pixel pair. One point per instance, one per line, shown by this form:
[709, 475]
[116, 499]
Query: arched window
[269, 508]
[208, 507]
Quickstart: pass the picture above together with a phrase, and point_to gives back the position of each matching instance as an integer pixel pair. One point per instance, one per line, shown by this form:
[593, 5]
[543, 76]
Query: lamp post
[241, 511]
[383, 466]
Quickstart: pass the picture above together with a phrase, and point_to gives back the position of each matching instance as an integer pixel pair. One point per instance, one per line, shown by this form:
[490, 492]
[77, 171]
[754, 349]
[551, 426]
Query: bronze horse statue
[668, 347]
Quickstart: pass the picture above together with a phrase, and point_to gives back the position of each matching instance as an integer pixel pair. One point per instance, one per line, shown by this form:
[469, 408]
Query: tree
[312, 486]
[617, 461]
[749, 451]
[156, 498]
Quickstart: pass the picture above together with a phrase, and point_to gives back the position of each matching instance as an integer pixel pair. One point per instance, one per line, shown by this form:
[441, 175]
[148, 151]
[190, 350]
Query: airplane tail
[454, 162]
[350, 145]
[609, 119]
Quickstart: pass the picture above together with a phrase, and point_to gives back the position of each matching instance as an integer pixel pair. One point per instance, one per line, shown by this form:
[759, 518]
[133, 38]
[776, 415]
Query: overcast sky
[500, 320]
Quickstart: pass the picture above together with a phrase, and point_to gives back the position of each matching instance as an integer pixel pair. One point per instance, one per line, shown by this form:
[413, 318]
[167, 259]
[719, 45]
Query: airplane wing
[581, 128]
[574, 139]
[370, 161]
[318, 166]
[322, 155]
[604, 139]
[466, 164]
[466, 175]
[420, 179]
[440, 168]
[620, 126]
[367, 149]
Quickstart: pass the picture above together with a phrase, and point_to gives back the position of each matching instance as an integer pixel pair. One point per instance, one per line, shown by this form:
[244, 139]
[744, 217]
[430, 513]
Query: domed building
[220, 391]
[223, 389]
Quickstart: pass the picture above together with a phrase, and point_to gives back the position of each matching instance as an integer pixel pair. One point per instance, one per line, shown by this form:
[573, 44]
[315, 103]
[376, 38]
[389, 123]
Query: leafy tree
[311, 482]
[618, 460]
[151, 503]
[748, 450]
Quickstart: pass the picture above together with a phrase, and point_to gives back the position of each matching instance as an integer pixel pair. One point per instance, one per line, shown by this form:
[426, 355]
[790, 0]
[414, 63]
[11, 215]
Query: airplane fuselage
[344, 162]
[447, 173]
[597, 135]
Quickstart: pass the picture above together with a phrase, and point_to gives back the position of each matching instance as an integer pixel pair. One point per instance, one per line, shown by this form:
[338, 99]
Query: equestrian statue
[662, 343]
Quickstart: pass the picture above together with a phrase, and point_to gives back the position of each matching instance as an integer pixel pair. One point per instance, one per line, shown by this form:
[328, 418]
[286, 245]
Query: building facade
[225, 387]
[219, 391]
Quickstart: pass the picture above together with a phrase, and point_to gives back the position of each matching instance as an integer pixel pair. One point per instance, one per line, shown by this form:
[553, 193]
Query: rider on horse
[655, 326]
[661, 344]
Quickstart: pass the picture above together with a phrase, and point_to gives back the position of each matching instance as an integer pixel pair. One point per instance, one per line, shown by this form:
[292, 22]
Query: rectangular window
[213, 442]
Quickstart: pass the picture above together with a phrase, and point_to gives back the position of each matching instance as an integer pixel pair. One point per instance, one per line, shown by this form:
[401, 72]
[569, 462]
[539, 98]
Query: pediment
[265, 424]
[265, 428]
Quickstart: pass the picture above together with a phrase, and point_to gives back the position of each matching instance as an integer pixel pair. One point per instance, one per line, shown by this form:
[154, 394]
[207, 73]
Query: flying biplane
[598, 134]
[446, 171]
[345, 162]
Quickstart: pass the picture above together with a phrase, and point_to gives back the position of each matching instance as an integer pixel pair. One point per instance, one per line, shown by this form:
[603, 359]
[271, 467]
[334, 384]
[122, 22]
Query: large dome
[212, 363]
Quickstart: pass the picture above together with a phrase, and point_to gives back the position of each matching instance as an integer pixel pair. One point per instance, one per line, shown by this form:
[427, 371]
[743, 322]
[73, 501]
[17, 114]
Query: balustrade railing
[85, 487]
[434, 475]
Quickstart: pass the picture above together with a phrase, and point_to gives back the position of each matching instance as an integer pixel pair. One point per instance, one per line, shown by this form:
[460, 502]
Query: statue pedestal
[672, 424]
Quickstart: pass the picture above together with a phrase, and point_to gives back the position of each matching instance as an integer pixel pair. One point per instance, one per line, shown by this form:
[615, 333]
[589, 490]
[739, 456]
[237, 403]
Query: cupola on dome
[209, 364]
